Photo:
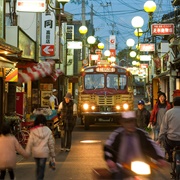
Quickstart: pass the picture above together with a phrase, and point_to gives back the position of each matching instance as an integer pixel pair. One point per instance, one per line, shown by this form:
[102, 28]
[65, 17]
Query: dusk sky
[114, 16]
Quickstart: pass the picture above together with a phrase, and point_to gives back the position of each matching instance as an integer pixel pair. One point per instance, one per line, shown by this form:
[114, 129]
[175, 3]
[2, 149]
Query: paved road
[79, 163]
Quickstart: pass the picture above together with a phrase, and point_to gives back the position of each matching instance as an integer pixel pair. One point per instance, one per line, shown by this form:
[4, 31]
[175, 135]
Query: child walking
[41, 144]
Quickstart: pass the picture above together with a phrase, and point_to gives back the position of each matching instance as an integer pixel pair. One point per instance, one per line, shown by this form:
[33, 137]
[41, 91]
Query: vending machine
[21, 103]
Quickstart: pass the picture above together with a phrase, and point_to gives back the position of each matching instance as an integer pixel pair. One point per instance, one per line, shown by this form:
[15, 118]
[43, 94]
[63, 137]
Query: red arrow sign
[47, 50]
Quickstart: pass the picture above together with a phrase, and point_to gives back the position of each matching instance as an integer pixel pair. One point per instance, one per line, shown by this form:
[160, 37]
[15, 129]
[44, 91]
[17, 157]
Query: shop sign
[162, 29]
[31, 5]
[70, 32]
[112, 45]
[145, 57]
[48, 34]
[112, 52]
[143, 66]
[147, 47]
[74, 45]
[94, 57]
[11, 74]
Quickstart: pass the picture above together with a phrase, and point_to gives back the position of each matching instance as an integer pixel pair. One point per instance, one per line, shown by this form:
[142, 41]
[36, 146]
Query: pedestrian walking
[170, 129]
[9, 146]
[157, 114]
[68, 113]
[142, 115]
[41, 144]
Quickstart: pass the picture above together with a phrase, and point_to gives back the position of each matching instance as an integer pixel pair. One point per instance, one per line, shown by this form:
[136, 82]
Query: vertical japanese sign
[70, 32]
[47, 34]
[112, 45]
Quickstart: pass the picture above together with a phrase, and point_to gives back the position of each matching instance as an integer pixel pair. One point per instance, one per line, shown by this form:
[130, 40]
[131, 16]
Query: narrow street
[79, 163]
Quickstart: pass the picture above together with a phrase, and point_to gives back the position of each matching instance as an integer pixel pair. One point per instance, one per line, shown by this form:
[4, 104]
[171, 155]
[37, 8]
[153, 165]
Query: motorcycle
[138, 170]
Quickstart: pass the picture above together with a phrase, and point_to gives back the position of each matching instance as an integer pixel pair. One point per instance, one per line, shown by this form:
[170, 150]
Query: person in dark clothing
[68, 112]
[128, 143]
[142, 115]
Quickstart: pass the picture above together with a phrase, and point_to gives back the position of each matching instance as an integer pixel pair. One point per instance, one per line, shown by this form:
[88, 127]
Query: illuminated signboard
[105, 69]
[147, 47]
[31, 5]
[162, 29]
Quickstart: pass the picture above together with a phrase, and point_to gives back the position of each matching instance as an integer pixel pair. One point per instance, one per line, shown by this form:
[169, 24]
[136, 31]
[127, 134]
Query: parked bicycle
[21, 133]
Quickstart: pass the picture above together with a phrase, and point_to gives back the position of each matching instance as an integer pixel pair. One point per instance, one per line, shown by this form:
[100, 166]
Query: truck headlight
[85, 106]
[125, 106]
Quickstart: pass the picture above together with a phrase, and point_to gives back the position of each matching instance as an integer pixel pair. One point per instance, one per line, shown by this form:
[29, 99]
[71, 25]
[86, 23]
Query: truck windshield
[94, 81]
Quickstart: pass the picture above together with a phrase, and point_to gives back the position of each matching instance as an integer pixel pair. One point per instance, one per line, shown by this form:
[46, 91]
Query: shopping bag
[52, 163]
[149, 129]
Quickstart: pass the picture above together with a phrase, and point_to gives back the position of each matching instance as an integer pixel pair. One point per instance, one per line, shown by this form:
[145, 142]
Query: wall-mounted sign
[143, 66]
[145, 57]
[47, 34]
[31, 5]
[147, 47]
[70, 32]
[162, 29]
[11, 74]
[112, 42]
[112, 52]
[74, 45]
[94, 57]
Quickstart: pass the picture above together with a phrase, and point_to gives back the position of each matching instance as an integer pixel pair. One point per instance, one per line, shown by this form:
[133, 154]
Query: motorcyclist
[128, 143]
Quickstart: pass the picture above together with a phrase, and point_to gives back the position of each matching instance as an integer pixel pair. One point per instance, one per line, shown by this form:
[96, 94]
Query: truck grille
[105, 100]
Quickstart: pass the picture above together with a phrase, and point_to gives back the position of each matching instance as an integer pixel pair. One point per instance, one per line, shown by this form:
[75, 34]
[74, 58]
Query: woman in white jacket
[41, 144]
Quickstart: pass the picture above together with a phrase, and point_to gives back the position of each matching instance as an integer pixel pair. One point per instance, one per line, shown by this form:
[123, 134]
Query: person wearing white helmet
[129, 143]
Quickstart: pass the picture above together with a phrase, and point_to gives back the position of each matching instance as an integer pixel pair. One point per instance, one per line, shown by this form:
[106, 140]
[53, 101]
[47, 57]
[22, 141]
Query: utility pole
[92, 14]
[83, 13]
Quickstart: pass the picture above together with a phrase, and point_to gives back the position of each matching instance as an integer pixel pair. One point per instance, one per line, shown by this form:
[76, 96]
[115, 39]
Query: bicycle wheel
[22, 136]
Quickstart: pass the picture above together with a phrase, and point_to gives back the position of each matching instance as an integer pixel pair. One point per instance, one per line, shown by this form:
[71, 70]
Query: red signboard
[112, 52]
[162, 29]
[47, 50]
[147, 47]
[143, 66]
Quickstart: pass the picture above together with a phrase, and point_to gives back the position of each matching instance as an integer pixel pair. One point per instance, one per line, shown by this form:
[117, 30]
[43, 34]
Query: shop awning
[35, 71]
[5, 63]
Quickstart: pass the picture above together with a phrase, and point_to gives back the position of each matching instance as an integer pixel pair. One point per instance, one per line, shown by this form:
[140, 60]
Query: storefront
[7, 68]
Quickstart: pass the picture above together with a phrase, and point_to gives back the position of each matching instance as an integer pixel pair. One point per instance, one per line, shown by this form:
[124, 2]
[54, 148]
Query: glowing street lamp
[132, 54]
[107, 53]
[130, 43]
[137, 22]
[83, 30]
[101, 46]
[149, 6]
[91, 40]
